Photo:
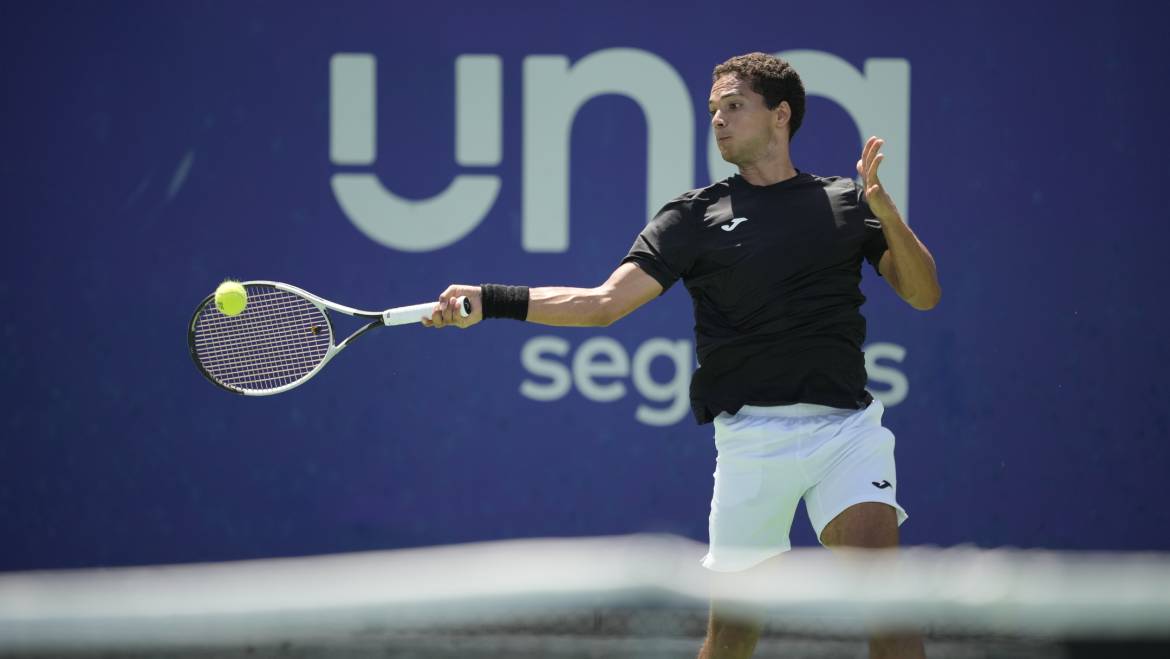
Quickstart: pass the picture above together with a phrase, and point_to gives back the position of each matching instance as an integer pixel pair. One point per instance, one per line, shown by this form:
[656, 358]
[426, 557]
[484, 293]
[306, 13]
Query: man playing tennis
[772, 260]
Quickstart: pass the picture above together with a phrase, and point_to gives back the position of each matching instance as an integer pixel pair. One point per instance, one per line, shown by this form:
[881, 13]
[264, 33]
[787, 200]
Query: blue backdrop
[375, 152]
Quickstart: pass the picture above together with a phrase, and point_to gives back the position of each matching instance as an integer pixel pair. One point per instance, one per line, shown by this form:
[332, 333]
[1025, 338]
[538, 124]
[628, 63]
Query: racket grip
[415, 312]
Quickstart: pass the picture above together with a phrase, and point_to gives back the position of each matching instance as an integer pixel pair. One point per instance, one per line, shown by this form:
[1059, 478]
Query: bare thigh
[873, 525]
[868, 525]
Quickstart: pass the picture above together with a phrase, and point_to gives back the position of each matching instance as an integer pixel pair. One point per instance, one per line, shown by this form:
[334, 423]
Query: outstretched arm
[907, 265]
[626, 289]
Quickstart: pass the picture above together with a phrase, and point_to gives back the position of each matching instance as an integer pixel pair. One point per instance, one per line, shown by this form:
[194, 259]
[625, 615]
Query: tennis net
[628, 596]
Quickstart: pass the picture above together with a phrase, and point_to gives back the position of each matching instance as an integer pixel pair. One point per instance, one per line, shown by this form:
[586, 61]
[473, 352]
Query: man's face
[745, 129]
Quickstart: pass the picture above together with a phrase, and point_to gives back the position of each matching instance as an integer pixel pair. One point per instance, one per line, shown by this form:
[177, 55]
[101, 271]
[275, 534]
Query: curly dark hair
[770, 77]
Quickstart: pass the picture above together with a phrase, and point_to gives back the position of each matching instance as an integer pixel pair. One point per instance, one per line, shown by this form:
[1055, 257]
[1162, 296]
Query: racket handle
[415, 312]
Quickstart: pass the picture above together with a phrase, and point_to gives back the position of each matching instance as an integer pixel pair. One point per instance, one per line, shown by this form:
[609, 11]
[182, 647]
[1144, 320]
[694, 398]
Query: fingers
[867, 152]
[439, 317]
[436, 319]
[451, 313]
[871, 176]
[448, 310]
[870, 158]
[872, 146]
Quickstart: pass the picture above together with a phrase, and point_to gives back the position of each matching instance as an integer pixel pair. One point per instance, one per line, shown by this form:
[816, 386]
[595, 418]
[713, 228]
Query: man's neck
[769, 172]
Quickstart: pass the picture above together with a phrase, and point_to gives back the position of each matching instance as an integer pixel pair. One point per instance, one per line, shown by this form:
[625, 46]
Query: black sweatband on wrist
[504, 301]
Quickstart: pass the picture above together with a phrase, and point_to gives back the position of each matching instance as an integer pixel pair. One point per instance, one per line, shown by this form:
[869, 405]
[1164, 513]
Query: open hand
[879, 202]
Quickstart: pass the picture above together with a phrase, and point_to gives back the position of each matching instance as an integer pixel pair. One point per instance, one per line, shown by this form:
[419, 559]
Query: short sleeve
[665, 249]
[874, 245]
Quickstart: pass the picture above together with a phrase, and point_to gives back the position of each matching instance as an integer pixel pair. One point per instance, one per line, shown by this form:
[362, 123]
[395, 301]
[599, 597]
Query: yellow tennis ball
[231, 298]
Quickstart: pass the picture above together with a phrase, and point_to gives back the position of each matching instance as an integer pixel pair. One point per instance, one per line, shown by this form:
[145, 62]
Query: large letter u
[410, 225]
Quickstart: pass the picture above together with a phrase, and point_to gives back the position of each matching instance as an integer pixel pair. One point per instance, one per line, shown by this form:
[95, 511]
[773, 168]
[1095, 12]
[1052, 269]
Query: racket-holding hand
[446, 310]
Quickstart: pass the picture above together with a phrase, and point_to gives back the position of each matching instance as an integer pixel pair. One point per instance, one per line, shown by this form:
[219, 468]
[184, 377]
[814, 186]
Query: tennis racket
[283, 337]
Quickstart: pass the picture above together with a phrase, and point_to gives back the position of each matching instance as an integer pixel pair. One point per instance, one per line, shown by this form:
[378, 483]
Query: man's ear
[783, 114]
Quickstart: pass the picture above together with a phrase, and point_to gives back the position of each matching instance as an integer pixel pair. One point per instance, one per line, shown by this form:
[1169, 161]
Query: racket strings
[269, 348]
[243, 342]
[268, 343]
[270, 361]
[291, 356]
[278, 339]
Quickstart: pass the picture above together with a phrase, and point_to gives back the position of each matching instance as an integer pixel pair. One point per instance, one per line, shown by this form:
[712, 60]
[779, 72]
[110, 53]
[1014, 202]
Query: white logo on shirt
[730, 226]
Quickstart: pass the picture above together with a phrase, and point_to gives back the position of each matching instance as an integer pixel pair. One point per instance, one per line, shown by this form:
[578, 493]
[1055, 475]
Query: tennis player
[772, 259]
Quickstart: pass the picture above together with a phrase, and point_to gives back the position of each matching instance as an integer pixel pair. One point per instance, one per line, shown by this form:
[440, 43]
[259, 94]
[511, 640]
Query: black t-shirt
[774, 273]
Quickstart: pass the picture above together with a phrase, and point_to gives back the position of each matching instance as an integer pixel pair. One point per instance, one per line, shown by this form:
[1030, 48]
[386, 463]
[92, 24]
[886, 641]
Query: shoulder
[836, 184]
[845, 193]
[701, 197]
[691, 206]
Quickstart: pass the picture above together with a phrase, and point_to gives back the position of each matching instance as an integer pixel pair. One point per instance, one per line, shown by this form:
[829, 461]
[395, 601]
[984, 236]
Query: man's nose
[717, 120]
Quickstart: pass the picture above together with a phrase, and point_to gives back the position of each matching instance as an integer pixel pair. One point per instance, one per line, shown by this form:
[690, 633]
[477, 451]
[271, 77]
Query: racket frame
[393, 316]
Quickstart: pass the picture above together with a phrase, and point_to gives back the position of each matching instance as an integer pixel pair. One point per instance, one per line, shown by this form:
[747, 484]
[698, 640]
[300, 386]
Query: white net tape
[503, 587]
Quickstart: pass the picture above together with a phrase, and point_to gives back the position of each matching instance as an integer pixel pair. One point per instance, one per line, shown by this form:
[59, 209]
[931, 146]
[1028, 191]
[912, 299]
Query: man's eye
[735, 106]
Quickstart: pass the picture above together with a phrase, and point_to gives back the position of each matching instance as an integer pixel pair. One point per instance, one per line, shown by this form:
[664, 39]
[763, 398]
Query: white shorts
[770, 457]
